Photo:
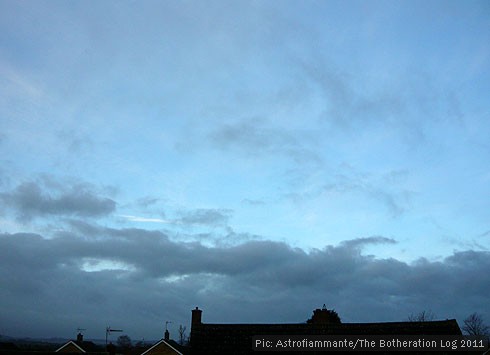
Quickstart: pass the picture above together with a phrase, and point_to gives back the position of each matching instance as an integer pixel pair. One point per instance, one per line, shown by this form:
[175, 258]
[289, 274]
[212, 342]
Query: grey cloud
[83, 228]
[75, 141]
[485, 234]
[32, 199]
[394, 105]
[359, 242]
[253, 137]
[210, 217]
[334, 86]
[147, 201]
[225, 238]
[207, 217]
[167, 278]
[389, 201]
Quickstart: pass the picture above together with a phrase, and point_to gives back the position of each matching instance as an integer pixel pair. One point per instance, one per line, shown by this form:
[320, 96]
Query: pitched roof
[158, 346]
[71, 344]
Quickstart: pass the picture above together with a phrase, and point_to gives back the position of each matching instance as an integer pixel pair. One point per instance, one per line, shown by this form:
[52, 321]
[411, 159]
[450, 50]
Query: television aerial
[109, 330]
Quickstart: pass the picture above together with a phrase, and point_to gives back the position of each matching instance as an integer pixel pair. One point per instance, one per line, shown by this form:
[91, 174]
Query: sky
[257, 159]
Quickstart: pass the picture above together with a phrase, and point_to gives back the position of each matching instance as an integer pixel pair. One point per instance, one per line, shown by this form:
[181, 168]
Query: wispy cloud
[205, 216]
[17, 84]
[384, 188]
[256, 138]
[145, 219]
[188, 218]
[485, 234]
[360, 242]
[250, 136]
[253, 202]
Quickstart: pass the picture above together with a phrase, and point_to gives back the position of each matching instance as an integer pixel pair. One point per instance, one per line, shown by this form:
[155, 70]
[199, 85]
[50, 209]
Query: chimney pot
[196, 316]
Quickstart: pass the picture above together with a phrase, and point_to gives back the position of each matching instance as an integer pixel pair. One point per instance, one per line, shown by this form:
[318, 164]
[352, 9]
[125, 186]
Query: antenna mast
[108, 331]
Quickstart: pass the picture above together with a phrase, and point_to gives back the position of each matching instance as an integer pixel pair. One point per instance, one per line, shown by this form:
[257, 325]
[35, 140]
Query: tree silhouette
[182, 334]
[473, 325]
[424, 316]
[324, 315]
[124, 341]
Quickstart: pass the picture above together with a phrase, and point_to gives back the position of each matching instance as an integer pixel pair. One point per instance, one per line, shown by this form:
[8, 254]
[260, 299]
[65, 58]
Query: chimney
[167, 335]
[80, 338]
[196, 317]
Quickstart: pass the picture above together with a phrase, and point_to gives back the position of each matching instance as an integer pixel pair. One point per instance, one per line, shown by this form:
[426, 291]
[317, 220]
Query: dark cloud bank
[34, 199]
[46, 290]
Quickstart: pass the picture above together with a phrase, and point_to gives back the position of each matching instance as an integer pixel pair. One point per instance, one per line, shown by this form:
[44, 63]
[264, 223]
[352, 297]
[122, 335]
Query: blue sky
[317, 126]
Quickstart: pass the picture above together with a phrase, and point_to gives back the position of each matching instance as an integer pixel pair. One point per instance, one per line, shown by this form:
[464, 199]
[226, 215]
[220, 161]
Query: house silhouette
[237, 339]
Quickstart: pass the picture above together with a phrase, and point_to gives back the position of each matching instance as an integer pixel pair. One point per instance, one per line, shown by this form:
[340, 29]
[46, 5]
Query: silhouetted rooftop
[237, 338]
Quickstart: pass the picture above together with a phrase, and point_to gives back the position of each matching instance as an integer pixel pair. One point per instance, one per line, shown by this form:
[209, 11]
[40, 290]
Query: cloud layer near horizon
[138, 279]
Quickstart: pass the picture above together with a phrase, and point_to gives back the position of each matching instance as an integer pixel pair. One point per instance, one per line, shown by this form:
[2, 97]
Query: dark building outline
[207, 338]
